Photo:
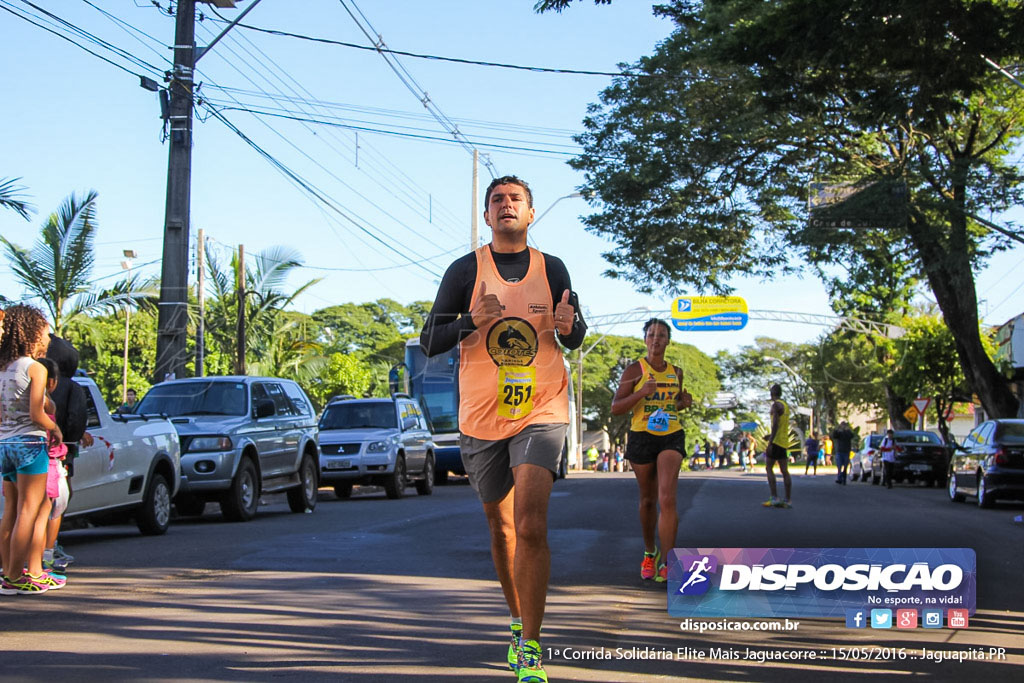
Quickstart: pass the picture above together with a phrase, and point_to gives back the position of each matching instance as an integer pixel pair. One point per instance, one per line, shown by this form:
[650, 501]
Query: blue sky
[74, 122]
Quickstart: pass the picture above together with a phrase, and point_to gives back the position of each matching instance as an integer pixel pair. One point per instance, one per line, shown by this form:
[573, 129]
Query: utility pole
[173, 316]
[474, 231]
[170, 341]
[201, 297]
[240, 330]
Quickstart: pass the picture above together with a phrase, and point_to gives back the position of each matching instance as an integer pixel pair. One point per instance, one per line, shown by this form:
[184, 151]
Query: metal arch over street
[858, 325]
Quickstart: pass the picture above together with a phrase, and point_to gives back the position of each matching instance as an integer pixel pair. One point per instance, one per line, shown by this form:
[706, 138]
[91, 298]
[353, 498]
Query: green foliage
[100, 344]
[10, 198]
[604, 365]
[343, 374]
[701, 165]
[58, 268]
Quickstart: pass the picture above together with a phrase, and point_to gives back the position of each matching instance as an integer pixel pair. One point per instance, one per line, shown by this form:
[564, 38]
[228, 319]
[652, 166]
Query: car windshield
[357, 415]
[441, 406]
[874, 440]
[1011, 432]
[918, 437]
[195, 398]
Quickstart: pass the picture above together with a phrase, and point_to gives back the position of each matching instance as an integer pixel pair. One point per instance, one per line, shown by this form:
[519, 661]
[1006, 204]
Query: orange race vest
[512, 374]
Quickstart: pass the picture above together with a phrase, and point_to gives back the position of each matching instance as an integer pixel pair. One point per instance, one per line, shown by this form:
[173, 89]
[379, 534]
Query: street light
[574, 195]
[129, 256]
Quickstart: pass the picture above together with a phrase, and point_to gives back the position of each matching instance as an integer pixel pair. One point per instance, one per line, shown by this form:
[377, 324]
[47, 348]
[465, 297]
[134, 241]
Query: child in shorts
[56, 477]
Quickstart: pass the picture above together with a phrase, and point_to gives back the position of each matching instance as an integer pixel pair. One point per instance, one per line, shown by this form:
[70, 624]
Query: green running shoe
[662, 576]
[530, 668]
[513, 647]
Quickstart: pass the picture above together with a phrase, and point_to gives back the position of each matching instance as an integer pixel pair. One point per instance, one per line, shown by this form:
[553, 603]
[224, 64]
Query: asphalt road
[371, 589]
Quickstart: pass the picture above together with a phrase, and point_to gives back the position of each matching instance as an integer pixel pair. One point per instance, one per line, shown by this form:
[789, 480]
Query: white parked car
[133, 465]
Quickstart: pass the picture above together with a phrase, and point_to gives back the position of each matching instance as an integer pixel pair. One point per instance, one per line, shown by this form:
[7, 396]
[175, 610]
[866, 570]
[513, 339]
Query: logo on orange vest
[512, 341]
[539, 308]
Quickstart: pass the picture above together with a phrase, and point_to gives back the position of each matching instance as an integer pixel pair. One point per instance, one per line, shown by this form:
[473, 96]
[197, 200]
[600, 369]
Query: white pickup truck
[133, 466]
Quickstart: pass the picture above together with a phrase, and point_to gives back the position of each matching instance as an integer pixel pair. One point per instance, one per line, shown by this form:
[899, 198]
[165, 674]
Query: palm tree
[264, 303]
[9, 198]
[58, 268]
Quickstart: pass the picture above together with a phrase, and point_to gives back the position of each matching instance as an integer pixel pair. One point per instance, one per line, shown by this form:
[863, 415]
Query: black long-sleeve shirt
[449, 321]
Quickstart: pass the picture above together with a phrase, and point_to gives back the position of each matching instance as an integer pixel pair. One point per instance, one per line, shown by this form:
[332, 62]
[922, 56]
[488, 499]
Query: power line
[347, 123]
[410, 83]
[395, 190]
[456, 60]
[400, 114]
[29, 18]
[294, 177]
[93, 38]
[313, 191]
[382, 131]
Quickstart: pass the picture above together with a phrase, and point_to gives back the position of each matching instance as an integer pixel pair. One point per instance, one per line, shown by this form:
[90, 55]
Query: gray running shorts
[489, 463]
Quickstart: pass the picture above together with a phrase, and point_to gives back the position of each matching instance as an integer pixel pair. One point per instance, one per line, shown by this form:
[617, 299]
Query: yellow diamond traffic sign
[911, 414]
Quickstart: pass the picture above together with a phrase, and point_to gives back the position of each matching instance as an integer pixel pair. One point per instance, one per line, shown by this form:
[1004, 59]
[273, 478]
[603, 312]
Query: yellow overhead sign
[709, 313]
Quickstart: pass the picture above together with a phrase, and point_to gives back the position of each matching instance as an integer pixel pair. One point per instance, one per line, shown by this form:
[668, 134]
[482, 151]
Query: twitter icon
[881, 618]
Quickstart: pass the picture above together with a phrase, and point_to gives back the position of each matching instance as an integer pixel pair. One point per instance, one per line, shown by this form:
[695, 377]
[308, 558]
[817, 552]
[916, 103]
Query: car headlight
[377, 447]
[208, 443]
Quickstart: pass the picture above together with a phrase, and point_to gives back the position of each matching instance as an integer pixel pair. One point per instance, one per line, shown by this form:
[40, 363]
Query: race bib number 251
[516, 386]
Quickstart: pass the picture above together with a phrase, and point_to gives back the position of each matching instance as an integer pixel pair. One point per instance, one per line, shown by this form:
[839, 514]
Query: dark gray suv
[240, 437]
[376, 441]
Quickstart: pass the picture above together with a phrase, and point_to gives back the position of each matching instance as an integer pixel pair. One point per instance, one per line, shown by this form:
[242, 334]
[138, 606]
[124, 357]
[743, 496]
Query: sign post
[921, 404]
[911, 414]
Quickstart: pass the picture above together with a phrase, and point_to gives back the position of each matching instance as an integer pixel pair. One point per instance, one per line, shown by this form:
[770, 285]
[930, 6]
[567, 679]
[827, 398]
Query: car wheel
[876, 478]
[303, 496]
[425, 486]
[855, 476]
[343, 490]
[189, 506]
[954, 494]
[440, 477]
[985, 497]
[239, 502]
[154, 516]
[395, 485]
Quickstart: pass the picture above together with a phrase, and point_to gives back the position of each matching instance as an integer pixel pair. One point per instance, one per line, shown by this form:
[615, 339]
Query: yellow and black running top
[657, 413]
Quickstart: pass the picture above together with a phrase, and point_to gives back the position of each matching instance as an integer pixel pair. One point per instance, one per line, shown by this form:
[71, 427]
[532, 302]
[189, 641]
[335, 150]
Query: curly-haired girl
[23, 447]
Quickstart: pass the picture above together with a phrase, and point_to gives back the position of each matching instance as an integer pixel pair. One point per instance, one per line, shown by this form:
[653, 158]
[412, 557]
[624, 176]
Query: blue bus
[434, 382]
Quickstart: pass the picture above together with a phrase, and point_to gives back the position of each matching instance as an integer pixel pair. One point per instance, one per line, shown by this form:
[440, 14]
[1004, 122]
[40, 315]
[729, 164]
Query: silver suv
[240, 437]
[376, 441]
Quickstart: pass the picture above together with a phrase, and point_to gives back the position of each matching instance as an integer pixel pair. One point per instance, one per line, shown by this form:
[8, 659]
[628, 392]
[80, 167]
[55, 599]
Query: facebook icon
[856, 618]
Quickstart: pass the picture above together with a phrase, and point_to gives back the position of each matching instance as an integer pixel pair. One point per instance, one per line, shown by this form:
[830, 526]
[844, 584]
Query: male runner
[505, 304]
[778, 449]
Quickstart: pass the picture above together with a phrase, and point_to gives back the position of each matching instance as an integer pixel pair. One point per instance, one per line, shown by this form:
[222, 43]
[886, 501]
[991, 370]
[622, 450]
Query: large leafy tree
[928, 367]
[702, 157]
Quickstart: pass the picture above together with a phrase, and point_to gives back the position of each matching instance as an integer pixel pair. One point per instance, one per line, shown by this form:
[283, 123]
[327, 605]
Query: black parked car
[990, 464]
[920, 456]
